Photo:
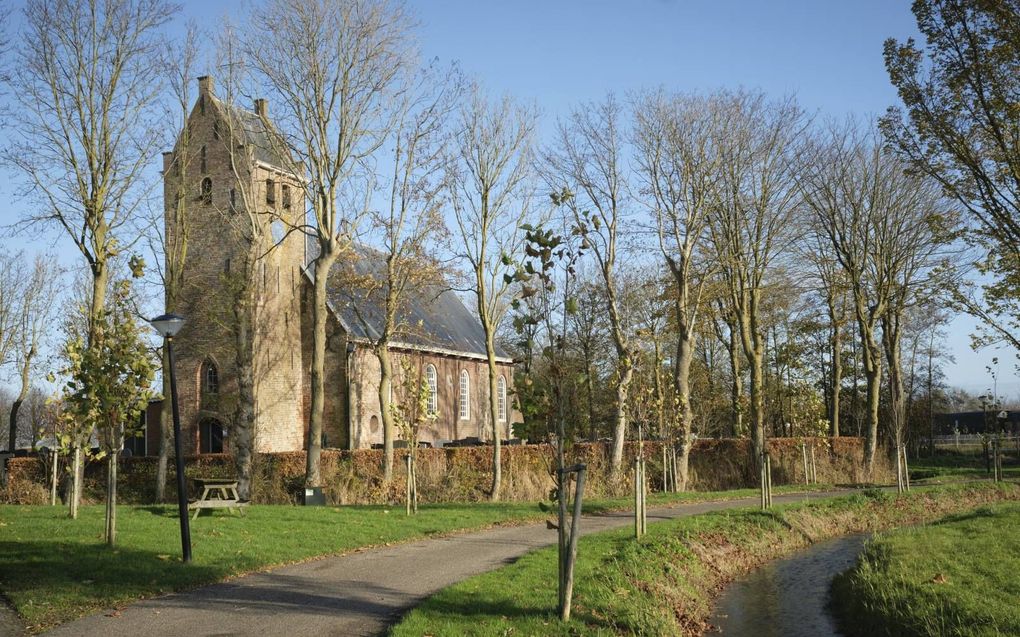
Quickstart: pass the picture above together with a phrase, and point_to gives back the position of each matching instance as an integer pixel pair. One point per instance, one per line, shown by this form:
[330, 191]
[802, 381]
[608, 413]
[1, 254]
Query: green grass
[53, 569]
[957, 577]
[664, 583]
[949, 465]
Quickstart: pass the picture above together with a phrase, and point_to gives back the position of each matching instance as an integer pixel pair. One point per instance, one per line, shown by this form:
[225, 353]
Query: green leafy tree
[958, 125]
[108, 385]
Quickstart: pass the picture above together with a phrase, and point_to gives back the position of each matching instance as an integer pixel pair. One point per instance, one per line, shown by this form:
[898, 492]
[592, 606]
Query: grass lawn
[957, 577]
[53, 569]
[664, 583]
[951, 465]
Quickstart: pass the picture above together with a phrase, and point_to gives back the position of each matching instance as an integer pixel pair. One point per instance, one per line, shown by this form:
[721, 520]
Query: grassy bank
[955, 578]
[53, 569]
[665, 583]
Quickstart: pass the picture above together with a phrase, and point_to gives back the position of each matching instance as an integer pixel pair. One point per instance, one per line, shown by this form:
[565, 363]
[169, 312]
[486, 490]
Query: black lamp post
[168, 325]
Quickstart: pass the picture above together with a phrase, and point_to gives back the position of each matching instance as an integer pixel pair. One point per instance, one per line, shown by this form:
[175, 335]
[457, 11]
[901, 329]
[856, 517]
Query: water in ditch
[788, 597]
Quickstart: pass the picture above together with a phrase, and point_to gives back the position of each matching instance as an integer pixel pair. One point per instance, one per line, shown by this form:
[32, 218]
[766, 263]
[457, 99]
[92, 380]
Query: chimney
[260, 107]
[205, 85]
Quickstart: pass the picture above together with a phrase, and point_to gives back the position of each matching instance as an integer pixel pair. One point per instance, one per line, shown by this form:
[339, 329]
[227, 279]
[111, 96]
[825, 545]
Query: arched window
[207, 191]
[270, 192]
[501, 398]
[285, 192]
[465, 395]
[210, 436]
[210, 379]
[432, 406]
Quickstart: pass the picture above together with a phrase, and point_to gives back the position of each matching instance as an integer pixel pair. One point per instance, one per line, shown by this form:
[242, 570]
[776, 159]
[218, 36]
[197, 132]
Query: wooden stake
[803, 454]
[55, 457]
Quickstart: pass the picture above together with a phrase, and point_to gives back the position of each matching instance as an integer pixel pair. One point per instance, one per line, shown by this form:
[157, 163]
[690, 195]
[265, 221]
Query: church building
[230, 161]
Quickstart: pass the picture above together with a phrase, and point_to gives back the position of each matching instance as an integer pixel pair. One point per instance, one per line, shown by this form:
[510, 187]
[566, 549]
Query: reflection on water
[788, 598]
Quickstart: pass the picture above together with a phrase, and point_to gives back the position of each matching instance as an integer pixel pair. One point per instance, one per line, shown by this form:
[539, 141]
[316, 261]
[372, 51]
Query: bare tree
[489, 184]
[179, 63]
[831, 286]
[676, 139]
[588, 159]
[884, 227]
[86, 80]
[751, 219]
[334, 66]
[35, 314]
[408, 227]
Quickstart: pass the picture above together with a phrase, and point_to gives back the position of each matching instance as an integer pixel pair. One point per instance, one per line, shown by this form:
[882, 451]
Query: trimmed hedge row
[464, 473]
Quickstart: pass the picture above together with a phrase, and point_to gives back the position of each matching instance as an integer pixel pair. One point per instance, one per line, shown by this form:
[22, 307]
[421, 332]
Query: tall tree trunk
[681, 377]
[737, 386]
[871, 356]
[836, 341]
[323, 263]
[497, 468]
[897, 402]
[382, 352]
[111, 497]
[243, 439]
[620, 416]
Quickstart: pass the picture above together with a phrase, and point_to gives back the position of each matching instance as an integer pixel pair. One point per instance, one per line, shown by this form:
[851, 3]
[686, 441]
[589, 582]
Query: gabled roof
[433, 316]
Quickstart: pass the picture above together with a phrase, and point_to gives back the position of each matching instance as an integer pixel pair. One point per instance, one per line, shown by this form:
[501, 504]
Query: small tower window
[285, 192]
[465, 395]
[201, 105]
[270, 191]
[207, 191]
[431, 378]
[210, 379]
[216, 129]
[233, 200]
[204, 165]
[501, 398]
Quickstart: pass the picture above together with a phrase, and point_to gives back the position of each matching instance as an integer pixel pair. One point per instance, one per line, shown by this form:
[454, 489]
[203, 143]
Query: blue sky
[556, 53]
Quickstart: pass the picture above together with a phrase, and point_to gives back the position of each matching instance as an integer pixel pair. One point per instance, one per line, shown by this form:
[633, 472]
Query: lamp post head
[167, 324]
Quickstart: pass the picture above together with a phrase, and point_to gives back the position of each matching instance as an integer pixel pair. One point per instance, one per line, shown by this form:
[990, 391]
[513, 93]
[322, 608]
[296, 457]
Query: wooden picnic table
[217, 493]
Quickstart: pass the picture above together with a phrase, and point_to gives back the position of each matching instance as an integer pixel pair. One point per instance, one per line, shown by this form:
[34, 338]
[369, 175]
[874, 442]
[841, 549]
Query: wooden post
[899, 470]
[906, 470]
[676, 475]
[55, 460]
[761, 481]
[637, 497]
[665, 469]
[768, 479]
[644, 499]
[575, 521]
[407, 485]
[803, 454]
[814, 467]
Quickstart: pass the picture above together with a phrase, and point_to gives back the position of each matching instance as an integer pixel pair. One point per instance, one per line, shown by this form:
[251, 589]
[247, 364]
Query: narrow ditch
[787, 597]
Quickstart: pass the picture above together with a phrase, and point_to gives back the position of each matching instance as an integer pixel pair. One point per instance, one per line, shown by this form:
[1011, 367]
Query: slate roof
[434, 315]
[270, 147]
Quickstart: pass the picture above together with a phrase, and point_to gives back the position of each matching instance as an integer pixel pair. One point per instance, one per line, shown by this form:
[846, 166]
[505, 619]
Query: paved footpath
[361, 593]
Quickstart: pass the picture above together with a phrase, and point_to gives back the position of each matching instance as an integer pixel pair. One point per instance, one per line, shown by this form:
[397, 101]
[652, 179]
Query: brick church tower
[240, 194]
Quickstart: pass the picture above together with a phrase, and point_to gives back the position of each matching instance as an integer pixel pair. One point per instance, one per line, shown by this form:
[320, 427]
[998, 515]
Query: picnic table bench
[217, 493]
